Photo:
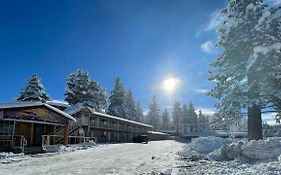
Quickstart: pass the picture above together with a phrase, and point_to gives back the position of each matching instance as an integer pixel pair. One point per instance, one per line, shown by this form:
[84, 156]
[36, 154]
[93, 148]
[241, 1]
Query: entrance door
[24, 130]
[38, 132]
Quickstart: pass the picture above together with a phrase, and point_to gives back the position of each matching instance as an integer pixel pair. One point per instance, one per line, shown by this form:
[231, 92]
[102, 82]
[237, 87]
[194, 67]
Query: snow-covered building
[103, 127]
[35, 124]
[24, 124]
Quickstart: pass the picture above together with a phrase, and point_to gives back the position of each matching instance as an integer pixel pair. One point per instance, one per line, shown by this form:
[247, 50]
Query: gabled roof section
[76, 108]
[58, 103]
[35, 104]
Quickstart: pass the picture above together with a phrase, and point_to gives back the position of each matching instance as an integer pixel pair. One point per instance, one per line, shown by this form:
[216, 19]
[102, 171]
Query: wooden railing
[14, 141]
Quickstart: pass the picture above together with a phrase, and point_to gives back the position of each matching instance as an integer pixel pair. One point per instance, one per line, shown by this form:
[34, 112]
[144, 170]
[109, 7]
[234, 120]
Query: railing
[14, 141]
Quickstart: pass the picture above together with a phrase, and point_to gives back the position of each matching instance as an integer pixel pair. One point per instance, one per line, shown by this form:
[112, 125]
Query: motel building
[29, 125]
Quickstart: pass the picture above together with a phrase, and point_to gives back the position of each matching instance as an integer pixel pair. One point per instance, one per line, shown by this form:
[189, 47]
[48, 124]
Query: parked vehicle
[140, 139]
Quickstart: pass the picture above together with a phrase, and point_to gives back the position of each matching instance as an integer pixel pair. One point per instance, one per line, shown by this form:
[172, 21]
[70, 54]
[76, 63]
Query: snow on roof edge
[119, 118]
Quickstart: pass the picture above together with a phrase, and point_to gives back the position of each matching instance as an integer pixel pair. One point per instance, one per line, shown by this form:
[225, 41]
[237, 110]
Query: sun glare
[170, 84]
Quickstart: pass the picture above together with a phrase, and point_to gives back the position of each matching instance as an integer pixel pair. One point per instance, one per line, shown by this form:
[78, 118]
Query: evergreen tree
[153, 115]
[165, 121]
[34, 91]
[177, 117]
[246, 70]
[186, 121]
[131, 106]
[201, 121]
[77, 87]
[96, 97]
[192, 117]
[117, 100]
[140, 115]
[82, 90]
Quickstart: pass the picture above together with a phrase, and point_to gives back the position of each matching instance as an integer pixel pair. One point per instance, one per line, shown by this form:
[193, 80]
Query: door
[24, 130]
[38, 132]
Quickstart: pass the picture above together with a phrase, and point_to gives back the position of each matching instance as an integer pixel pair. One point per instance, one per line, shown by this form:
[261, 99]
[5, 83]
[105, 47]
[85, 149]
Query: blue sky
[141, 41]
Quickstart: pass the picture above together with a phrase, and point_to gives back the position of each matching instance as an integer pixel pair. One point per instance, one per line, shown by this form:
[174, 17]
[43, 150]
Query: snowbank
[10, 157]
[219, 149]
[70, 148]
[205, 145]
[262, 149]
[216, 155]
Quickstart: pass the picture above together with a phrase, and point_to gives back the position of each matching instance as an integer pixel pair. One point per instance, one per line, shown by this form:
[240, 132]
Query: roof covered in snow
[159, 133]
[77, 108]
[122, 119]
[58, 103]
[31, 104]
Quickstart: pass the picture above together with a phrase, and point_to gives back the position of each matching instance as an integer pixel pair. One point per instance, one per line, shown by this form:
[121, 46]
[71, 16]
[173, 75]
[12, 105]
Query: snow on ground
[201, 156]
[127, 158]
[255, 157]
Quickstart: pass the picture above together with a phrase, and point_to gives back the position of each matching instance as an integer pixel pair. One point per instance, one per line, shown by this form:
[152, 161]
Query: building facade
[103, 127]
[24, 124]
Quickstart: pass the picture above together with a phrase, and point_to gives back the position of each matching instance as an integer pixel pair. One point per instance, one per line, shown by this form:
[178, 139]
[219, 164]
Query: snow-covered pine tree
[192, 117]
[117, 100]
[250, 37]
[201, 121]
[96, 97]
[131, 106]
[177, 117]
[153, 115]
[34, 91]
[166, 122]
[82, 90]
[186, 121]
[140, 115]
[77, 87]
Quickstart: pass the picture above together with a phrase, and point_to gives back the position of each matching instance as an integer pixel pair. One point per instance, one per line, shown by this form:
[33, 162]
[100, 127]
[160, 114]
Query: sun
[170, 84]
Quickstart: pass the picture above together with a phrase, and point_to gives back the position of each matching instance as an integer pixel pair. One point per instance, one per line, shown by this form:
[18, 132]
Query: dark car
[140, 139]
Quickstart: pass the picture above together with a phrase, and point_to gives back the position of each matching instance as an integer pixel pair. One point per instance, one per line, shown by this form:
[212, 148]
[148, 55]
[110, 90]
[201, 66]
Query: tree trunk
[254, 123]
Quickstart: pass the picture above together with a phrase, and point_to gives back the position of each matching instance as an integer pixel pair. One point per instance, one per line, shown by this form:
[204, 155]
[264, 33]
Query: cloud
[201, 91]
[209, 47]
[215, 20]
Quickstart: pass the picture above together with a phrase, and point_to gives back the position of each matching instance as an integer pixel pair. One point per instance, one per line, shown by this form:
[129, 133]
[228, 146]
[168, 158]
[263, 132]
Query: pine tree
[201, 121]
[77, 87]
[82, 90]
[140, 115]
[177, 117]
[117, 100]
[250, 37]
[165, 121]
[131, 106]
[192, 117]
[153, 115]
[186, 121]
[96, 97]
[34, 91]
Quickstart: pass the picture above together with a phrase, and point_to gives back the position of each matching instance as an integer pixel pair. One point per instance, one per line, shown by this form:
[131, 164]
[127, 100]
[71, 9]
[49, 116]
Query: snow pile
[205, 145]
[203, 148]
[231, 151]
[262, 157]
[262, 149]
[6, 158]
[216, 155]
[69, 148]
